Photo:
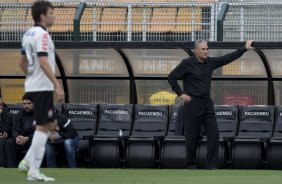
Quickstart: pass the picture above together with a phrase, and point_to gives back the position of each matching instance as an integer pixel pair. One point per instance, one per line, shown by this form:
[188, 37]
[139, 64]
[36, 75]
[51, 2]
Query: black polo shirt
[197, 76]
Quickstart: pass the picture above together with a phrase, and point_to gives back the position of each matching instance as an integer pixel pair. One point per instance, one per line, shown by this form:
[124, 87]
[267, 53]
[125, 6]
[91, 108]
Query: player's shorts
[43, 108]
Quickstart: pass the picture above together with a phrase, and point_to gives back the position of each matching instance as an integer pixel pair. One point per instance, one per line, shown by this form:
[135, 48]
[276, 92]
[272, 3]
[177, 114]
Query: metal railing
[16, 18]
[256, 19]
[146, 21]
[149, 20]
[118, 21]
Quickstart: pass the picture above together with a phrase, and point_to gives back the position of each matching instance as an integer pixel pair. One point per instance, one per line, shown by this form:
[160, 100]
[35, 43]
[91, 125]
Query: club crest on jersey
[50, 113]
[34, 123]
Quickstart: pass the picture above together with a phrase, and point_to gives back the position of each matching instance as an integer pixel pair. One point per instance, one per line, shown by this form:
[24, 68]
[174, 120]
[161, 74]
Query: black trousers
[7, 153]
[197, 112]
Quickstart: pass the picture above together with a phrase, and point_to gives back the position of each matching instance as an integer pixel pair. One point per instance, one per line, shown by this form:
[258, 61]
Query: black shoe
[192, 166]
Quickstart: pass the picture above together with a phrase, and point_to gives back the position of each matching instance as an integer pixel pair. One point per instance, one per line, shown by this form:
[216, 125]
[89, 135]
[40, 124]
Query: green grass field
[149, 176]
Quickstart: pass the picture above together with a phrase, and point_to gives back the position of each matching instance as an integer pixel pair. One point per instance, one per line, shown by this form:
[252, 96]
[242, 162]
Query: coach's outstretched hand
[249, 45]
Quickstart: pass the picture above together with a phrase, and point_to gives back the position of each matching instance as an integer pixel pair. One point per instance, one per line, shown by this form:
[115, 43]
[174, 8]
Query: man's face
[27, 105]
[49, 17]
[202, 50]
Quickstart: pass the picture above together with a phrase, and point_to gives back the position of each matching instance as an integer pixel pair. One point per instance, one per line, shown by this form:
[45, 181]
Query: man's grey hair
[198, 42]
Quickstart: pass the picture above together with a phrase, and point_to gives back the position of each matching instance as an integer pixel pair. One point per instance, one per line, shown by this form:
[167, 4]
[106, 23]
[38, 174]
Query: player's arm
[43, 61]
[45, 66]
[23, 63]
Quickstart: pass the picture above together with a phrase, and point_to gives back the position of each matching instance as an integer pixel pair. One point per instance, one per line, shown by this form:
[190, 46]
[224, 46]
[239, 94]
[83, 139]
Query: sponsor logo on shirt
[30, 33]
[45, 42]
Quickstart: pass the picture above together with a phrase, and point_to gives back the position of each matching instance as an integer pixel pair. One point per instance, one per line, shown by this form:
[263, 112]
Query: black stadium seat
[149, 127]
[173, 151]
[58, 108]
[227, 120]
[84, 120]
[275, 145]
[255, 130]
[108, 146]
[14, 108]
[175, 125]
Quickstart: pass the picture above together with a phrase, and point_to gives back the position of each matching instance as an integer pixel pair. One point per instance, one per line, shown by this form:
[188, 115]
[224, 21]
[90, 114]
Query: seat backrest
[150, 120]
[59, 108]
[64, 19]
[83, 118]
[227, 120]
[14, 108]
[175, 125]
[90, 17]
[13, 19]
[112, 118]
[185, 20]
[256, 121]
[112, 20]
[163, 20]
[137, 17]
[278, 122]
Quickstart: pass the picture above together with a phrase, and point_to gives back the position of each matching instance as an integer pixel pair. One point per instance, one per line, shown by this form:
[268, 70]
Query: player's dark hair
[26, 97]
[38, 8]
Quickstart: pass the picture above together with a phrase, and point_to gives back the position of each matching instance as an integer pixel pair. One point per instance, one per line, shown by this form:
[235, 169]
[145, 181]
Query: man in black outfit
[196, 73]
[66, 134]
[6, 123]
[23, 129]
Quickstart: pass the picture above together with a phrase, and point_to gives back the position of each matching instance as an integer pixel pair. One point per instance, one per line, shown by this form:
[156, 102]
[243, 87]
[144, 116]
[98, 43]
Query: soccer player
[38, 63]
